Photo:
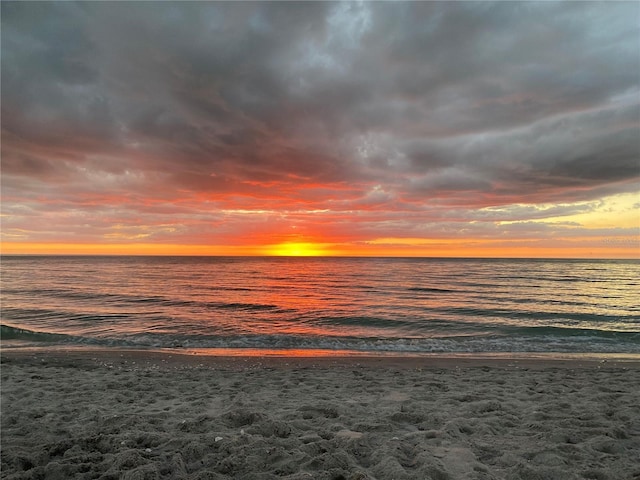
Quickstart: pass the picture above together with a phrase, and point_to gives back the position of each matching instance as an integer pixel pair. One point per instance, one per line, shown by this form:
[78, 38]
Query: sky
[506, 129]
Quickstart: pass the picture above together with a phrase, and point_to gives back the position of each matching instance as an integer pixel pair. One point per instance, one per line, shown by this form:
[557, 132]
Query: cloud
[354, 106]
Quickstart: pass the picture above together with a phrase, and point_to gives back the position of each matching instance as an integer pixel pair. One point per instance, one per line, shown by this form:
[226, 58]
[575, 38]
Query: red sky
[319, 128]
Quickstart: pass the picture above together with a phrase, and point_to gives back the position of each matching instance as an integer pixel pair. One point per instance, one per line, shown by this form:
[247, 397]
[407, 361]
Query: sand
[132, 415]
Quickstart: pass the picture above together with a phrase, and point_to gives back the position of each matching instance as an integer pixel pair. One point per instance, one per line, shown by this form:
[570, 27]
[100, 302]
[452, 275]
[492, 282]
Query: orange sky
[488, 251]
[603, 229]
[323, 128]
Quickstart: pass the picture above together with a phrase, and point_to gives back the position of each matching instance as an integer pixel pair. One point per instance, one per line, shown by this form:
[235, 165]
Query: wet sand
[119, 414]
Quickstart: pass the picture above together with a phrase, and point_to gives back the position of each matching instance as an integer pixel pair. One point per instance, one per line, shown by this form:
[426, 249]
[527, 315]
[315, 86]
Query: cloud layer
[214, 122]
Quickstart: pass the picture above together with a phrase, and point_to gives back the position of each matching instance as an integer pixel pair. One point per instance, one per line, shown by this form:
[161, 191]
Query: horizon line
[426, 257]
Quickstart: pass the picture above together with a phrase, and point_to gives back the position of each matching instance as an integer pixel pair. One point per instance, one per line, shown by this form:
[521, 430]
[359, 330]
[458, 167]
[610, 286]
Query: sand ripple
[98, 419]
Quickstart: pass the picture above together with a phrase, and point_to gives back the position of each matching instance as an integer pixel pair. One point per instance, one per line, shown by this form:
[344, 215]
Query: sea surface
[384, 306]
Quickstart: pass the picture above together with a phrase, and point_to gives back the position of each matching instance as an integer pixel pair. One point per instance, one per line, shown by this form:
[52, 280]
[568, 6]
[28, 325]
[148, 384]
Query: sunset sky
[432, 129]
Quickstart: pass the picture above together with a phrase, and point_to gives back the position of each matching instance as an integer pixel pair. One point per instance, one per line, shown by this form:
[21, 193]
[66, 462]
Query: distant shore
[111, 414]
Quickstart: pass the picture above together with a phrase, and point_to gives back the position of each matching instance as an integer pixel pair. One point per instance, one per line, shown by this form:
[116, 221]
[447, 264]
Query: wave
[131, 309]
[555, 331]
[364, 321]
[431, 290]
[109, 298]
[533, 339]
[8, 332]
[529, 315]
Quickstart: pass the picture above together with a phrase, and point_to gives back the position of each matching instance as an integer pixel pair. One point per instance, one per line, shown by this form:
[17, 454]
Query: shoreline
[320, 358]
[129, 414]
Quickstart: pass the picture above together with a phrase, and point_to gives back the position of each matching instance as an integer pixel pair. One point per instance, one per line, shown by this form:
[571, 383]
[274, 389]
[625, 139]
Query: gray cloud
[457, 103]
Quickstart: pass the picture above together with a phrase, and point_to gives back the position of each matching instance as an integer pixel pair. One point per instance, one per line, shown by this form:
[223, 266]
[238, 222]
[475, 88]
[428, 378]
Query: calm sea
[379, 305]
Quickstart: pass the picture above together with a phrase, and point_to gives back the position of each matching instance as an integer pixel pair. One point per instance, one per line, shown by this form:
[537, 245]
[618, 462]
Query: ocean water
[401, 306]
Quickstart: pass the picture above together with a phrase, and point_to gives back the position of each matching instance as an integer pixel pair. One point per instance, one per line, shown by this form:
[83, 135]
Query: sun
[296, 249]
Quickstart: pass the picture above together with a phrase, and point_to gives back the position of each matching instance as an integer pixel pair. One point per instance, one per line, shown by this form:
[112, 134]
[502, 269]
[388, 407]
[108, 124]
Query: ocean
[320, 305]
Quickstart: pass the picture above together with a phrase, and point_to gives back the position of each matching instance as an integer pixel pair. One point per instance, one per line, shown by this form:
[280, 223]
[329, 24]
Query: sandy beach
[147, 415]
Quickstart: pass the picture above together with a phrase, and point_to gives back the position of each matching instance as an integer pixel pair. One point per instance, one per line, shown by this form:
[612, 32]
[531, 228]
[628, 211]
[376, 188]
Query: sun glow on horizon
[597, 247]
[296, 249]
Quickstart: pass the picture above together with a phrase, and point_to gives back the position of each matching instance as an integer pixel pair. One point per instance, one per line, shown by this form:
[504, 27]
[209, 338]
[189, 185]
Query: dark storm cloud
[462, 102]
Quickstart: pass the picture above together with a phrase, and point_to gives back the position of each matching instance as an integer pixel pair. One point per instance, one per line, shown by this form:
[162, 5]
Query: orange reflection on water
[300, 288]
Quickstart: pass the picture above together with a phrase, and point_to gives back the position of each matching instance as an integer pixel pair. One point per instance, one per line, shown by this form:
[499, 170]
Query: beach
[122, 414]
